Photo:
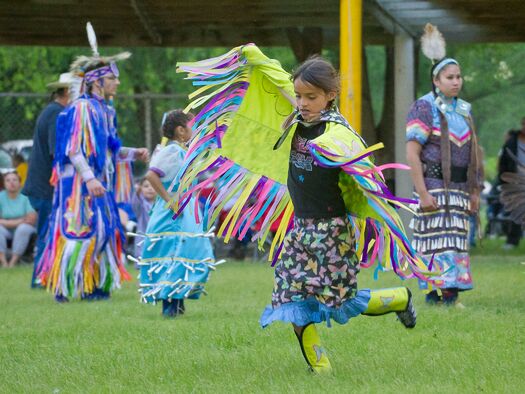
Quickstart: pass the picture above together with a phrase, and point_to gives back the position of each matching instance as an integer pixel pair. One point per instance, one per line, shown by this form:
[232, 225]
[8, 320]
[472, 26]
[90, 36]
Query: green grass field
[121, 345]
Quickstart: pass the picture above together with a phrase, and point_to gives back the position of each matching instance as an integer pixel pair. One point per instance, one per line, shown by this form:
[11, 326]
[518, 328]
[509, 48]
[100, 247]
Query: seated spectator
[17, 220]
[142, 202]
[21, 167]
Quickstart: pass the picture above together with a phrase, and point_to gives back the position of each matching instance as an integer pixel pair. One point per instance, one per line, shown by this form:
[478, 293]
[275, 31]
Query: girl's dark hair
[318, 72]
[174, 119]
[142, 180]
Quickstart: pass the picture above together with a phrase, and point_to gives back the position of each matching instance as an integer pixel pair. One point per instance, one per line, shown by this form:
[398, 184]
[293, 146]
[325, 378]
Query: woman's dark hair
[17, 159]
[174, 119]
[318, 72]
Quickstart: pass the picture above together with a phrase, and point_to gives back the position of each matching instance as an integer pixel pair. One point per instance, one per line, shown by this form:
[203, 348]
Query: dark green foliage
[494, 84]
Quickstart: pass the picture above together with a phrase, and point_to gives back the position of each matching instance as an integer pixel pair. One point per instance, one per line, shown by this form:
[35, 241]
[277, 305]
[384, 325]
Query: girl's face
[311, 100]
[449, 80]
[147, 190]
[183, 134]
[12, 182]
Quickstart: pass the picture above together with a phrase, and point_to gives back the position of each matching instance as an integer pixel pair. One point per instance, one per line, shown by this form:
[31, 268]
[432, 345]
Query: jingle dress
[443, 234]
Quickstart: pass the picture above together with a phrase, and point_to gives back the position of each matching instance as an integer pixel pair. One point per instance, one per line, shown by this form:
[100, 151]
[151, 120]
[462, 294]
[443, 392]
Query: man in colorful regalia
[84, 255]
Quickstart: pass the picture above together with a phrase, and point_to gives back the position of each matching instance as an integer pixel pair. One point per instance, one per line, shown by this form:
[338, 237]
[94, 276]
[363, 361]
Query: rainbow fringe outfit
[239, 144]
[84, 255]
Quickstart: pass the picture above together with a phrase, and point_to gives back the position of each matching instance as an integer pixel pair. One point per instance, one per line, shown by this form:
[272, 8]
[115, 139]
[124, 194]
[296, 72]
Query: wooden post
[305, 43]
[403, 97]
[148, 122]
[350, 62]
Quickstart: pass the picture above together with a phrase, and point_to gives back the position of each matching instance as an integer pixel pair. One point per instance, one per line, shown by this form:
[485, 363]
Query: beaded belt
[457, 174]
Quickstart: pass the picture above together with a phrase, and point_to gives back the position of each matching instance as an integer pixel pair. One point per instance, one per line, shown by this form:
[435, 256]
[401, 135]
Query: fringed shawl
[232, 149]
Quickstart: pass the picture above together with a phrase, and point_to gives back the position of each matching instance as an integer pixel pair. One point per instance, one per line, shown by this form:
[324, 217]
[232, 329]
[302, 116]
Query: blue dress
[176, 261]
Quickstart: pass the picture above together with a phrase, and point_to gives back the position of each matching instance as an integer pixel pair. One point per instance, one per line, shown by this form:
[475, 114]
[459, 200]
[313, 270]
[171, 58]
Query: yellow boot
[313, 353]
[398, 300]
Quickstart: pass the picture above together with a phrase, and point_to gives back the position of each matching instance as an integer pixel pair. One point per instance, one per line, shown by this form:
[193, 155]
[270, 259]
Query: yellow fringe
[89, 285]
[234, 213]
[281, 231]
[55, 269]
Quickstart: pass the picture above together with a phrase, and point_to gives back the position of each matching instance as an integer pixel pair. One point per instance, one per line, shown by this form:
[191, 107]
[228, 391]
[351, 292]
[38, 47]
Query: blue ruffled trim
[447, 285]
[312, 311]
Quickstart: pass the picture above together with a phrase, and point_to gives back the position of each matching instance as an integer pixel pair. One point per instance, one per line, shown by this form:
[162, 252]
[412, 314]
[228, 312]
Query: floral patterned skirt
[316, 278]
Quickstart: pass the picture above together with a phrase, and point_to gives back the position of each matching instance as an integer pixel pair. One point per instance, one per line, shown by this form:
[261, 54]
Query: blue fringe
[312, 311]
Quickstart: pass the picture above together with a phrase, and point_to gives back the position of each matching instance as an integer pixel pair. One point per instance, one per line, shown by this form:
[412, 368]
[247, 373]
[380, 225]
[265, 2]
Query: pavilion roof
[233, 22]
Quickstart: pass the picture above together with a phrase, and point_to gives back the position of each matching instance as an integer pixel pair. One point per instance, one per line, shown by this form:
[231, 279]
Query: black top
[508, 156]
[314, 190]
[41, 160]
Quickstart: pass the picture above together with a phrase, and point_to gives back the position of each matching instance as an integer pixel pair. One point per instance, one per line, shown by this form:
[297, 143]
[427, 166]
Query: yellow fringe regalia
[239, 148]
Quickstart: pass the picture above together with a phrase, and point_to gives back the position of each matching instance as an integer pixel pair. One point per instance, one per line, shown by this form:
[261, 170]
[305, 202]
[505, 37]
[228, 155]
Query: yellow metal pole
[350, 63]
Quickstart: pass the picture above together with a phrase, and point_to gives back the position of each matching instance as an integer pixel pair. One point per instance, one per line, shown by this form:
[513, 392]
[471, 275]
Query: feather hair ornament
[75, 89]
[92, 38]
[433, 43]
[83, 62]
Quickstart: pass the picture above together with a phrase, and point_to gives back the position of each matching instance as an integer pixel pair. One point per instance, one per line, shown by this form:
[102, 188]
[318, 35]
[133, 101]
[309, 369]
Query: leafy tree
[494, 84]
[148, 71]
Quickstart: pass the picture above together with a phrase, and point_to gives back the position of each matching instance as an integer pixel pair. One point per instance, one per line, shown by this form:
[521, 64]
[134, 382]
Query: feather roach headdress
[433, 43]
[88, 69]
[434, 47]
